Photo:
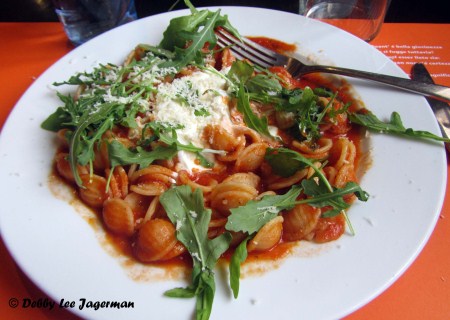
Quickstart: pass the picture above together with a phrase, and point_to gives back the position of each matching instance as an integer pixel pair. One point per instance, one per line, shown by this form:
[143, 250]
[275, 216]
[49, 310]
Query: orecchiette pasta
[230, 169]
[118, 216]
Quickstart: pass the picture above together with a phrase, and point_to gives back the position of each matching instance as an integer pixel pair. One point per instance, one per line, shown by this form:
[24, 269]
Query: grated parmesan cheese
[195, 255]
[191, 103]
[193, 214]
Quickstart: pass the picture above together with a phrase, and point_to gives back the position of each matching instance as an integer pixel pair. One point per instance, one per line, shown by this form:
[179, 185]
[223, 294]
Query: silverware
[441, 109]
[258, 55]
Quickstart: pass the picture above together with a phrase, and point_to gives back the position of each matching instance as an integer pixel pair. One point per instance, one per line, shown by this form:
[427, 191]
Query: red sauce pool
[124, 245]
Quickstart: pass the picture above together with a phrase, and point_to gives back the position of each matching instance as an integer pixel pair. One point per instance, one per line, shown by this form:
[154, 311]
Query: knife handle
[440, 109]
[430, 90]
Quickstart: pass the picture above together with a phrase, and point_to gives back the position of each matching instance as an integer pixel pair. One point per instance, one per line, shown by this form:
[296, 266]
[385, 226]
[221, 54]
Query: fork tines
[245, 49]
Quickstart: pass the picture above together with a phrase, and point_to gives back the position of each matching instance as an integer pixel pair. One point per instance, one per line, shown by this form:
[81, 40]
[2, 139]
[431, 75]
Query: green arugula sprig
[110, 96]
[252, 216]
[81, 146]
[286, 162]
[249, 83]
[196, 30]
[118, 154]
[187, 212]
[394, 126]
[256, 84]
[97, 76]
[167, 134]
[254, 122]
[239, 77]
[320, 196]
[239, 256]
[193, 53]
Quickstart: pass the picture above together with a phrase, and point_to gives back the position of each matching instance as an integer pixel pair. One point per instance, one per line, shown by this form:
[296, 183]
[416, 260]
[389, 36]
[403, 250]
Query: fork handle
[427, 89]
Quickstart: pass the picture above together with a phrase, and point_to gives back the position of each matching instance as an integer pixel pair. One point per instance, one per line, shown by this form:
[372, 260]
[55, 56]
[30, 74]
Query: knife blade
[441, 109]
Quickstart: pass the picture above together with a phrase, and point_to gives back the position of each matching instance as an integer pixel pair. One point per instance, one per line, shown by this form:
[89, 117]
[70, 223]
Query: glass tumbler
[85, 19]
[363, 18]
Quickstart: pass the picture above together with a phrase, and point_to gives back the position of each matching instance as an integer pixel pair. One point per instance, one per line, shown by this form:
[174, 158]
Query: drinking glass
[85, 19]
[363, 18]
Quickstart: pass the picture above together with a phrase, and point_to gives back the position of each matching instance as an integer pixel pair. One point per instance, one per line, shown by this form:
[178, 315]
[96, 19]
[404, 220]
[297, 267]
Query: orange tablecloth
[423, 292]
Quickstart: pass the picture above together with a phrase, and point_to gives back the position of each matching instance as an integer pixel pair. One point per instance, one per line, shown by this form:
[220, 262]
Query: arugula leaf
[203, 161]
[277, 158]
[321, 197]
[189, 23]
[323, 92]
[97, 76]
[394, 126]
[87, 152]
[239, 256]
[166, 54]
[187, 212]
[267, 88]
[194, 51]
[240, 72]
[110, 96]
[250, 118]
[195, 30]
[188, 292]
[262, 83]
[255, 214]
[308, 114]
[76, 145]
[57, 120]
[118, 154]
[238, 76]
[66, 116]
[285, 162]
[168, 135]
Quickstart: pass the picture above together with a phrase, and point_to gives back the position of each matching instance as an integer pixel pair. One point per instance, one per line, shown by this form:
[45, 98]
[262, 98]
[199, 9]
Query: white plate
[59, 251]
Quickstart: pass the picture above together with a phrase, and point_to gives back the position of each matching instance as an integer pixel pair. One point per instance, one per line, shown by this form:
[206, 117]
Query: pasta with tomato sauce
[127, 196]
[172, 149]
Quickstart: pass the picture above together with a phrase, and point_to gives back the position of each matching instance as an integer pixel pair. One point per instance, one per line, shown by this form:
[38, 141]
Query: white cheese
[193, 214]
[154, 75]
[187, 162]
[192, 102]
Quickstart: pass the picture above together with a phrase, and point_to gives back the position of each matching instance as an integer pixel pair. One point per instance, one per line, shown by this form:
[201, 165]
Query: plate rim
[387, 284]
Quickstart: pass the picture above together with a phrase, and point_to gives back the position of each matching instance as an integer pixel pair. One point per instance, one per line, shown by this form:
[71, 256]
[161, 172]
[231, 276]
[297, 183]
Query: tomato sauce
[274, 45]
[329, 228]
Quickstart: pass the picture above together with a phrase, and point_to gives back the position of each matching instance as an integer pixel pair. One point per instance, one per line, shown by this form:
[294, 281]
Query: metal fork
[265, 58]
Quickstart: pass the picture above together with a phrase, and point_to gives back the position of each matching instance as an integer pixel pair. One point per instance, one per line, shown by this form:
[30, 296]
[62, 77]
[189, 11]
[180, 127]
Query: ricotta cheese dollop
[190, 103]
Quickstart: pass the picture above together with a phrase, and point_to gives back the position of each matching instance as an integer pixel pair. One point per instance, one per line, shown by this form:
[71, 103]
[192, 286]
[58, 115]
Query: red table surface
[422, 292]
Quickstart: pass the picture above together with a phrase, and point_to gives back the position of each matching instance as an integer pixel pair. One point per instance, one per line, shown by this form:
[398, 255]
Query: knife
[441, 109]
